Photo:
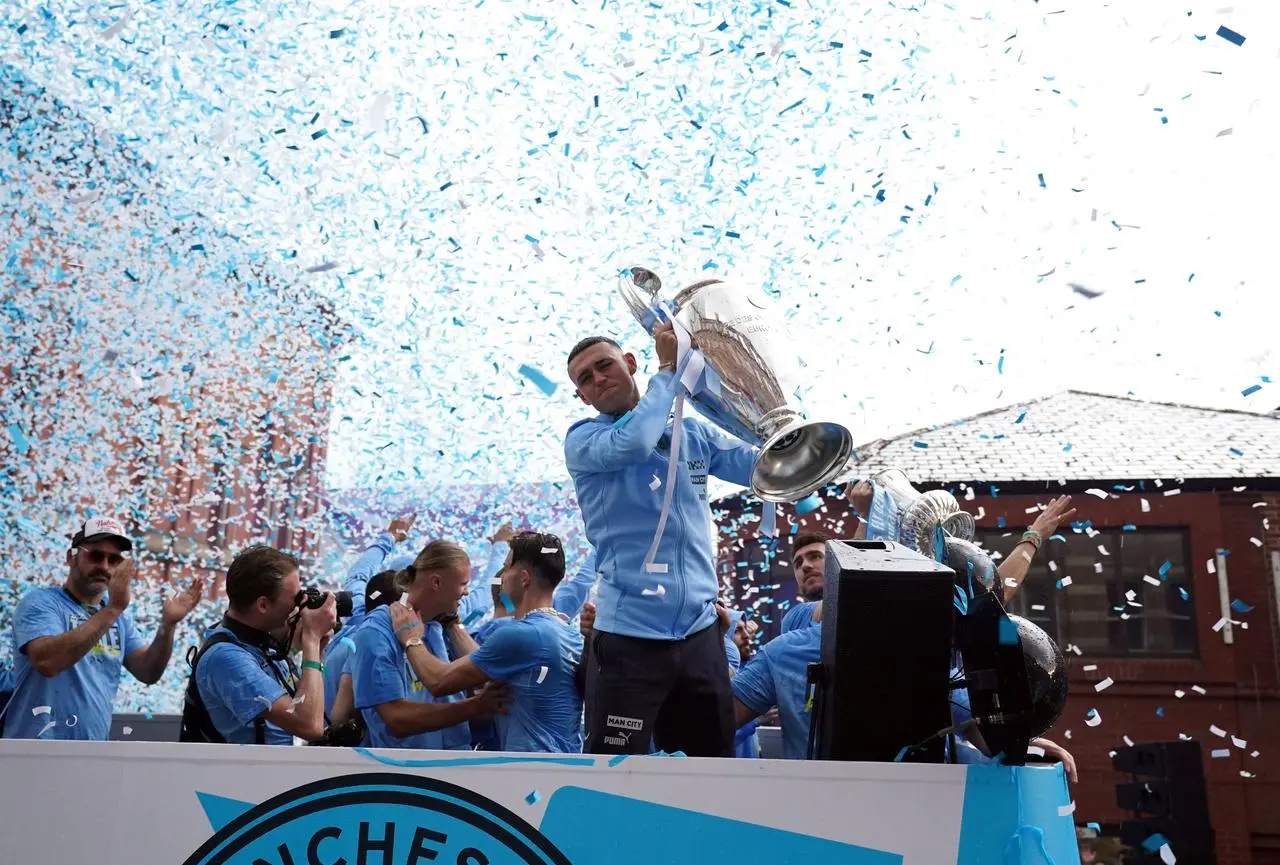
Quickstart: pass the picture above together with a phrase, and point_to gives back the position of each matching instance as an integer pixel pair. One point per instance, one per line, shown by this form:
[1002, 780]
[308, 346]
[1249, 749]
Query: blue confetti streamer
[536, 376]
[809, 505]
[19, 440]
[1230, 35]
[1240, 606]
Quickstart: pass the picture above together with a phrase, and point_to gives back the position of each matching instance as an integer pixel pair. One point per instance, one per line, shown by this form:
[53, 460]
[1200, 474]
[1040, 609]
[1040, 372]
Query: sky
[916, 187]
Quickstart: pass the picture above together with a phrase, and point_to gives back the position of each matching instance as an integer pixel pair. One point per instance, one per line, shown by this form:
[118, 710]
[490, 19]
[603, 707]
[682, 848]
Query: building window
[1130, 592]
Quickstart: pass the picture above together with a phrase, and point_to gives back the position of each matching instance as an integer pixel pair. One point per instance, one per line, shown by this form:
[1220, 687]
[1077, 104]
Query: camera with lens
[312, 598]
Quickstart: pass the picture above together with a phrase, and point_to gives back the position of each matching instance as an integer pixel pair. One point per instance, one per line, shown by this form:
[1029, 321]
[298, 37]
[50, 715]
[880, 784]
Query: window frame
[1057, 619]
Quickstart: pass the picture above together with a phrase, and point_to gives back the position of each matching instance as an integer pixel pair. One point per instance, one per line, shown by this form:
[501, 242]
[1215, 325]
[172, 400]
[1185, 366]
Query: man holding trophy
[656, 666]
[656, 670]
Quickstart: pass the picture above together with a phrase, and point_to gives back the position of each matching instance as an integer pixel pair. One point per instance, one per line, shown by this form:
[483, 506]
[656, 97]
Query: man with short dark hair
[656, 666]
[535, 654]
[243, 676]
[809, 560]
[70, 642]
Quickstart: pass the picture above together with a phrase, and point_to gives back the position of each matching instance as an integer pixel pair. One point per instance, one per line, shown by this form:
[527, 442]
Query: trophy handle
[639, 288]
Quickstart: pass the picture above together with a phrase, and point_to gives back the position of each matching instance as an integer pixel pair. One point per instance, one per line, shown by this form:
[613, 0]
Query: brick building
[151, 366]
[1179, 529]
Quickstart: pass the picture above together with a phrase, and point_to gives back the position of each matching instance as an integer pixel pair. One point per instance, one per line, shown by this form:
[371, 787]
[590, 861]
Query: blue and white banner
[126, 803]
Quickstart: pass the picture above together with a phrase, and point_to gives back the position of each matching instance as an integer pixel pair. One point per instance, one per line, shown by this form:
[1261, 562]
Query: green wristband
[407, 626]
[315, 665]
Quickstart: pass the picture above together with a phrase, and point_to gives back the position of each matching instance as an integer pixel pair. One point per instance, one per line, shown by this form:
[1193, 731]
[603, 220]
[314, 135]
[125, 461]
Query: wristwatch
[416, 641]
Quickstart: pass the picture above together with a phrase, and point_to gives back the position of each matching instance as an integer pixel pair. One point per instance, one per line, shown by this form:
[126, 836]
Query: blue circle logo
[378, 818]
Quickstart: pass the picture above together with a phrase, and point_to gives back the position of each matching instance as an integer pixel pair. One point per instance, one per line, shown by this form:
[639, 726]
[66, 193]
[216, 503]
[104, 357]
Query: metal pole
[1224, 599]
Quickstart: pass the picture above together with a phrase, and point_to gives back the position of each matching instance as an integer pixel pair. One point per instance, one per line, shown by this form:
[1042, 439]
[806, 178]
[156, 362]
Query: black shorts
[672, 695]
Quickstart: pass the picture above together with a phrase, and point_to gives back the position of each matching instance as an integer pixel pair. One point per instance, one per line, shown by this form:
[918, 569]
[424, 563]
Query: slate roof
[1080, 436]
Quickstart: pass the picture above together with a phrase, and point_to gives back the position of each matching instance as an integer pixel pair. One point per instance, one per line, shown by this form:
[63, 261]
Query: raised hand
[859, 495]
[401, 526]
[664, 342]
[587, 619]
[504, 534]
[177, 607]
[1058, 511]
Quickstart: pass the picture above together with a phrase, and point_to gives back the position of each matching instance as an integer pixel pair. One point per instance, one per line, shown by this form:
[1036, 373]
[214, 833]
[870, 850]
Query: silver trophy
[920, 515]
[749, 361]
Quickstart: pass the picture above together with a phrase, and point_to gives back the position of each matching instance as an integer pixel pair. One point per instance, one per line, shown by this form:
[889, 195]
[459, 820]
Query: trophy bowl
[751, 370]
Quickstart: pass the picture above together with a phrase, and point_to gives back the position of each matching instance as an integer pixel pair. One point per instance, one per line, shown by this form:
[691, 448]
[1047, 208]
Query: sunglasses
[97, 557]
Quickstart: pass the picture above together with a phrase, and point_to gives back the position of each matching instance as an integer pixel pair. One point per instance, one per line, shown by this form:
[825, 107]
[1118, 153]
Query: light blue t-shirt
[799, 616]
[337, 659]
[537, 656]
[779, 676]
[237, 685]
[381, 673]
[78, 699]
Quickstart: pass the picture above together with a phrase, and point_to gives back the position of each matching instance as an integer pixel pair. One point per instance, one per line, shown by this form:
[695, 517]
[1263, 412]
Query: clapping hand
[177, 607]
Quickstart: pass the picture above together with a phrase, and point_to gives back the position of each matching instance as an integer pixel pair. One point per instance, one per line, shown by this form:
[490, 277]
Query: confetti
[809, 505]
[1231, 36]
[1104, 684]
[1220, 753]
[20, 445]
[415, 264]
[1093, 718]
[542, 674]
[535, 375]
[1067, 810]
[533, 798]
[657, 591]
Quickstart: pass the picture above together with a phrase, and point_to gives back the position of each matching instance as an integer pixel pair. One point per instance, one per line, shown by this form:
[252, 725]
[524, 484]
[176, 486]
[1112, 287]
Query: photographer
[244, 688]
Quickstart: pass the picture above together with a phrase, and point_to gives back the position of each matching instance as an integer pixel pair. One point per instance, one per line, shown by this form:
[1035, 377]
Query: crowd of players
[634, 653]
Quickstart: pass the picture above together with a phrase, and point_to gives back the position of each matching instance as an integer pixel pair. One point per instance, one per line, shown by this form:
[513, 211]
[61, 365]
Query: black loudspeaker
[1168, 796]
[884, 681]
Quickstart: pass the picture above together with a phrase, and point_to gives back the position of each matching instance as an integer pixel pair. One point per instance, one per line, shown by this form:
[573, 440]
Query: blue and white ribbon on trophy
[693, 375]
